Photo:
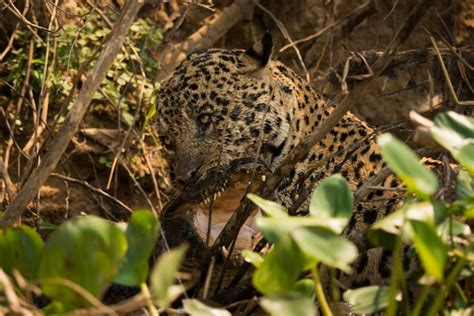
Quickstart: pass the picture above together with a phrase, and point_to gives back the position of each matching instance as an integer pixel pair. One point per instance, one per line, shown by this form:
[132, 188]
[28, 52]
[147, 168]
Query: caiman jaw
[224, 203]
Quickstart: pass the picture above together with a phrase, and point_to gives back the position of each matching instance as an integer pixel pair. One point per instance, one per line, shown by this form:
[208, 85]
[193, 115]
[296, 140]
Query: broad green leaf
[280, 268]
[252, 257]
[164, 273]
[332, 199]
[465, 156]
[385, 231]
[367, 300]
[196, 308]
[141, 233]
[326, 246]
[269, 207]
[86, 250]
[454, 129]
[455, 132]
[288, 305]
[452, 227]
[305, 287]
[407, 166]
[430, 247]
[469, 212]
[20, 248]
[465, 185]
[275, 228]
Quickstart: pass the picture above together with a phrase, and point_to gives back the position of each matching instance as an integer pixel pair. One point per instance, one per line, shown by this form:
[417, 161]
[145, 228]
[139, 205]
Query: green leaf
[280, 268]
[142, 234]
[465, 185]
[20, 249]
[288, 305]
[385, 231]
[430, 247]
[451, 227]
[305, 287]
[164, 273]
[469, 212]
[128, 118]
[455, 132]
[54, 308]
[326, 246]
[86, 250]
[275, 228]
[407, 166]
[332, 199]
[252, 257]
[465, 156]
[46, 225]
[456, 128]
[270, 208]
[196, 308]
[367, 300]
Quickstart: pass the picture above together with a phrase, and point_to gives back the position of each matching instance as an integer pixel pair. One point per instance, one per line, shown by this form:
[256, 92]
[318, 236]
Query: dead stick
[74, 118]
[244, 210]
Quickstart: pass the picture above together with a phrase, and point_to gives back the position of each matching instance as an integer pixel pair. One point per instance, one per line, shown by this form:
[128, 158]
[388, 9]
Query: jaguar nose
[186, 176]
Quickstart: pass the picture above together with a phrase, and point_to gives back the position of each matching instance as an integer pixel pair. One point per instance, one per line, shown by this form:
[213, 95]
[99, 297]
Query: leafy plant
[300, 244]
[436, 229]
[84, 255]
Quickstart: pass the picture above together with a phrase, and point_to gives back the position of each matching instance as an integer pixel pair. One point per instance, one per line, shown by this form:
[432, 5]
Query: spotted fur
[221, 106]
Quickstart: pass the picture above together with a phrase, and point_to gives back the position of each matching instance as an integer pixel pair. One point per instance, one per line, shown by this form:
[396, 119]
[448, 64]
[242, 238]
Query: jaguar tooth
[264, 178]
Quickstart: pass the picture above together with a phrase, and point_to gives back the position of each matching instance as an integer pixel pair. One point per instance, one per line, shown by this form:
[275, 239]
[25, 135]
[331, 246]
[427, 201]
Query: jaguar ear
[262, 50]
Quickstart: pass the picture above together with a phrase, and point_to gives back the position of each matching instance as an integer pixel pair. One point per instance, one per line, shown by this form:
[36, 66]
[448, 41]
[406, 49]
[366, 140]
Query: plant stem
[421, 300]
[394, 279]
[460, 292]
[149, 300]
[323, 303]
[444, 289]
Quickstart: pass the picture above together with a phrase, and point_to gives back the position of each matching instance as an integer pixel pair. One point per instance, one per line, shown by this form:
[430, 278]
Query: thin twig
[368, 6]
[22, 18]
[93, 189]
[207, 283]
[366, 188]
[446, 74]
[82, 292]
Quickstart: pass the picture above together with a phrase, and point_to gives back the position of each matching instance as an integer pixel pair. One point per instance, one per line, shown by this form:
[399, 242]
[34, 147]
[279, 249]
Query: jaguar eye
[166, 142]
[204, 119]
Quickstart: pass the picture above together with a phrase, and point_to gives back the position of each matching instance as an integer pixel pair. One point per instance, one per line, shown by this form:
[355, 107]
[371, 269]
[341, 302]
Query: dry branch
[244, 210]
[346, 23]
[75, 116]
[204, 37]
[408, 59]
